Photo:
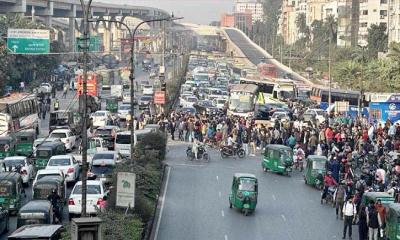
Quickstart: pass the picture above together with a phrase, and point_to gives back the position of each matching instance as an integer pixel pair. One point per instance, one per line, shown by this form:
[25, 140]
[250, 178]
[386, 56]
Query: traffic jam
[41, 145]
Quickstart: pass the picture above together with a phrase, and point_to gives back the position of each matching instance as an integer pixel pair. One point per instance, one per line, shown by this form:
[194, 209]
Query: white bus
[18, 111]
[242, 100]
[284, 89]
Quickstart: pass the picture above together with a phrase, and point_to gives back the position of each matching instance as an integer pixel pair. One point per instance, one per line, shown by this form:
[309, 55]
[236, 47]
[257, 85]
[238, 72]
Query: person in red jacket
[329, 181]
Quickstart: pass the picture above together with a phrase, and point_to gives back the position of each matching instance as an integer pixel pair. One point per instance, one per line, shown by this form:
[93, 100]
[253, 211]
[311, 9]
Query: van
[123, 140]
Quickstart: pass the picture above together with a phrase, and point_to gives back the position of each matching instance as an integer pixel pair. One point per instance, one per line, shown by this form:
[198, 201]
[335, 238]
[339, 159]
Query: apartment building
[287, 27]
[227, 20]
[394, 21]
[371, 12]
[314, 10]
[255, 7]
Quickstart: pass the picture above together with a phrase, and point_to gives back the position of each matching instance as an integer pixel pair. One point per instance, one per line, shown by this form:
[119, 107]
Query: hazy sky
[194, 11]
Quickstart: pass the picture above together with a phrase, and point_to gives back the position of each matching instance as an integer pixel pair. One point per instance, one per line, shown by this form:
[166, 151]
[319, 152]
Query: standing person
[245, 141]
[56, 105]
[362, 225]
[350, 213]
[374, 222]
[65, 91]
[172, 126]
[44, 111]
[340, 196]
[253, 139]
[381, 210]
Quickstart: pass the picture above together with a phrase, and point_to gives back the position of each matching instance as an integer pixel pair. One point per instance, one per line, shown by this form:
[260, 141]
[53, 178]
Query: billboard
[382, 111]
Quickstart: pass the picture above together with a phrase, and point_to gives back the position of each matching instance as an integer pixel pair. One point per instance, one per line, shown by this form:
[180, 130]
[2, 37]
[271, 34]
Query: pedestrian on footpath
[350, 213]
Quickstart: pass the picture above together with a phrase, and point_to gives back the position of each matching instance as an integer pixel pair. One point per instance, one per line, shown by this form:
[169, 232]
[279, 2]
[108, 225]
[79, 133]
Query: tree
[394, 51]
[304, 31]
[271, 15]
[347, 73]
[377, 39]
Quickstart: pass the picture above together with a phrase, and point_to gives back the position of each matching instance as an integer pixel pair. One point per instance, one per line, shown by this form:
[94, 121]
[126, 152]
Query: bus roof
[256, 81]
[251, 88]
[16, 97]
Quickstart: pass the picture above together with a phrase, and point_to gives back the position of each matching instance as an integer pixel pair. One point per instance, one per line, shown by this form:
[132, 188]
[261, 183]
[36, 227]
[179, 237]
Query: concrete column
[47, 13]
[71, 34]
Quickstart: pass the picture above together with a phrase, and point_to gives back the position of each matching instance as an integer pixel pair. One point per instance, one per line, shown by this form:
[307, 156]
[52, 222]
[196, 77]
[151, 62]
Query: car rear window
[59, 162]
[123, 139]
[103, 156]
[91, 189]
[58, 135]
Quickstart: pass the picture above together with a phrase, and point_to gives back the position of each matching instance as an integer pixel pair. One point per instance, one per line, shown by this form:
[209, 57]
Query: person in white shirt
[350, 213]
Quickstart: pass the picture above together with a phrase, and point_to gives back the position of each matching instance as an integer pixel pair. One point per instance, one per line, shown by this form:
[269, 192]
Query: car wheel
[241, 153]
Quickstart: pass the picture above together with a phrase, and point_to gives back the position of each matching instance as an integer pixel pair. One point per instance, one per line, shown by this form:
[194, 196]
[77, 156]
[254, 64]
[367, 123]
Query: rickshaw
[315, 170]
[35, 212]
[7, 146]
[25, 141]
[278, 159]
[112, 104]
[10, 191]
[385, 198]
[392, 229]
[45, 151]
[244, 192]
[43, 187]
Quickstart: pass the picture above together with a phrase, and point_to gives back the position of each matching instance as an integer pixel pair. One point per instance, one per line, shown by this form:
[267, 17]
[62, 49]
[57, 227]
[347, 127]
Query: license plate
[246, 205]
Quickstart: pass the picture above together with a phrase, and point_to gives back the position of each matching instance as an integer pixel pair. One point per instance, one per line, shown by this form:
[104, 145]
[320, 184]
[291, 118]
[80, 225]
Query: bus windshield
[242, 104]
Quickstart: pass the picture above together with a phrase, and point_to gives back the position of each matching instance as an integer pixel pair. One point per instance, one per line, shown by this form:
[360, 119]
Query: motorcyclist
[299, 155]
[195, 148]
[329, 181]
[54, 198]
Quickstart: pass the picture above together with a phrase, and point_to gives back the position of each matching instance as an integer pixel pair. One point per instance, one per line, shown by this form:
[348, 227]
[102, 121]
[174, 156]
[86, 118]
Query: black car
[206, 107]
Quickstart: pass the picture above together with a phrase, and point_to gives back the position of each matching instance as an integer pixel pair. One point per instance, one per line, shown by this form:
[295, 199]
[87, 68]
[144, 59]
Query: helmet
[54, 190]
[329, 172]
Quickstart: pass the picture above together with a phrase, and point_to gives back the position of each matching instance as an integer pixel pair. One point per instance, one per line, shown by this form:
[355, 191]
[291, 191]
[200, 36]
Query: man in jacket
[340, 196]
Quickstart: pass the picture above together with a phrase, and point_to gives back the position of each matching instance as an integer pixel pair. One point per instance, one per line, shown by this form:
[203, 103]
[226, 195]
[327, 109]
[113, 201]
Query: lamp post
[132, 70]
[361, 83]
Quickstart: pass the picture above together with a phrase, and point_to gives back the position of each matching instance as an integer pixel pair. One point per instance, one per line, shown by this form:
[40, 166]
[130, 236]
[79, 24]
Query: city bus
[18, 111]
[242, 100]
[321, 96]
[284, 89]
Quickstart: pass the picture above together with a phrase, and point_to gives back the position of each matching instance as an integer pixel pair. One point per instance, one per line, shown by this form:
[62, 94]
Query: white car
[27, 169]
[188, 101]
[66, 136]
[45, 88]
[124, 110]
[67, 164]
[281, 116]
[148, 90]
[126, 97]
[96, 194]
[319, 114]
[101, 118]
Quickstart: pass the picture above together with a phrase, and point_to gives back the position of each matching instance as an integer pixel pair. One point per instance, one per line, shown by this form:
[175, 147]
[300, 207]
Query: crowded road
[196, 202]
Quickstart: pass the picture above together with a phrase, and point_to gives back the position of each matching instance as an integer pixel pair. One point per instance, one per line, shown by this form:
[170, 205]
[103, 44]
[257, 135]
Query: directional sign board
[28, 41]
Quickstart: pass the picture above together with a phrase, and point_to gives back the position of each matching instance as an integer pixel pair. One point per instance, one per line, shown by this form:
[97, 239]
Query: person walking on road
[340, 196]
[56, 105]
[65, 91]
[350, 213]
[374, 222]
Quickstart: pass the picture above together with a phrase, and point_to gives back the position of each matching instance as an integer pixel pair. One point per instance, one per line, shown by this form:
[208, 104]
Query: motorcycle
[201, 153]
[329, 196]
[228, 151]
[298, 164]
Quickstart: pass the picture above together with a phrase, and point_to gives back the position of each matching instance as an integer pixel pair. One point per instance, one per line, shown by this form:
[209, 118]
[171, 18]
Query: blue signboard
[382, 111]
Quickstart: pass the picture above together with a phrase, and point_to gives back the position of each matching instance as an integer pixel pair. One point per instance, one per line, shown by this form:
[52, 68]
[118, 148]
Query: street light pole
[85, 12]
[361, 82]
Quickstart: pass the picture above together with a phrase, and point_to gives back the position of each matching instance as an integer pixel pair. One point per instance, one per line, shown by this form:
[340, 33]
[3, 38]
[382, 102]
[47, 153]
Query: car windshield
[59, 162]
[58, 135]
[247, 184]
[43, 153]
[103, 156]
[125, 107]
[40, 176]
[14, 162]
[240, 106]
[192, 99]
[123, 139]
[318, 165]
[102, 169]
[103, 131]
[99, 114]
[5, 188]
[91, 189]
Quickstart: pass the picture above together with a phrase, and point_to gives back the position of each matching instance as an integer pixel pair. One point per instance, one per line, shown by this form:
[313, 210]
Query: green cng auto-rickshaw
[112, 104]
[277, 158]
[315, 170]
[7, 146]
[45, 151]
[10, 191]
[25, 141]
[392, 229]
[385, 198]
[244, 192]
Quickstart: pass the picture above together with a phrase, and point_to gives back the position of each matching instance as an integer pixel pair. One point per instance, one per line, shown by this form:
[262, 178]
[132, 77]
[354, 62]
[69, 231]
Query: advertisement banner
[126, 189]
[383, 111]
[159, 97]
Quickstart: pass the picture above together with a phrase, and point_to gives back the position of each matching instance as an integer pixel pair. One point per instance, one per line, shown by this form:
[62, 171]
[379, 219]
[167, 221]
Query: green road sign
[28, 41]
[94, 44]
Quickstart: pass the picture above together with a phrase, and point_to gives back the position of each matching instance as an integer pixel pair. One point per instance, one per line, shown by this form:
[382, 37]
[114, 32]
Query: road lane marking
[283, 217]
[217, 178]
[162, 204]
[226, 237]
[273, 197]
[219, 194]
[222, 213]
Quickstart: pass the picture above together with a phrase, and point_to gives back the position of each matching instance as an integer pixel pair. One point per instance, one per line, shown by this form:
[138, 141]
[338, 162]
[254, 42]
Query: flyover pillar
[72, 28]
[47, 13]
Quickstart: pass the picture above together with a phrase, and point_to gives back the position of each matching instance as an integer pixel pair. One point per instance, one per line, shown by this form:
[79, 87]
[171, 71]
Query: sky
[193, 11]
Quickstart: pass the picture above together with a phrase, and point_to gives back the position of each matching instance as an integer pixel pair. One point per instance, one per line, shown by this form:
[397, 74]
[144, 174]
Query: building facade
[371, 12]
[253, 6]
[394, 21]
[315, 10]
[227, 20]
[243, 21]
[287, 26]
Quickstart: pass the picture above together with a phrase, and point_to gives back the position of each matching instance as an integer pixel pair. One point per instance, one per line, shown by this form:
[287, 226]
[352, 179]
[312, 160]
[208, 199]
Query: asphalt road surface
[195, 204]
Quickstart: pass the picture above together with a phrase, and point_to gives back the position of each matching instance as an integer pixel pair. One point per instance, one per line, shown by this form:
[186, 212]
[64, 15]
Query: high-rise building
[287, 27]
[254, 6]
[315, 10]
[394, 21]
[371, 12]
[243, 21]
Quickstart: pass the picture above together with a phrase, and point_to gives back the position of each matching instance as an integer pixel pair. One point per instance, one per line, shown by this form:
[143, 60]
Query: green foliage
[377, 39]
[117, 225]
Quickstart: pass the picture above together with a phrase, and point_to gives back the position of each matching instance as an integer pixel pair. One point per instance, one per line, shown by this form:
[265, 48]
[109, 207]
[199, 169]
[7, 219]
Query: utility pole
[86, 12]
[361, 81]
[329, 72]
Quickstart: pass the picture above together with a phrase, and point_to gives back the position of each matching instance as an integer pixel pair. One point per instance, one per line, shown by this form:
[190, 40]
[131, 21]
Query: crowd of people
[361, 154]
